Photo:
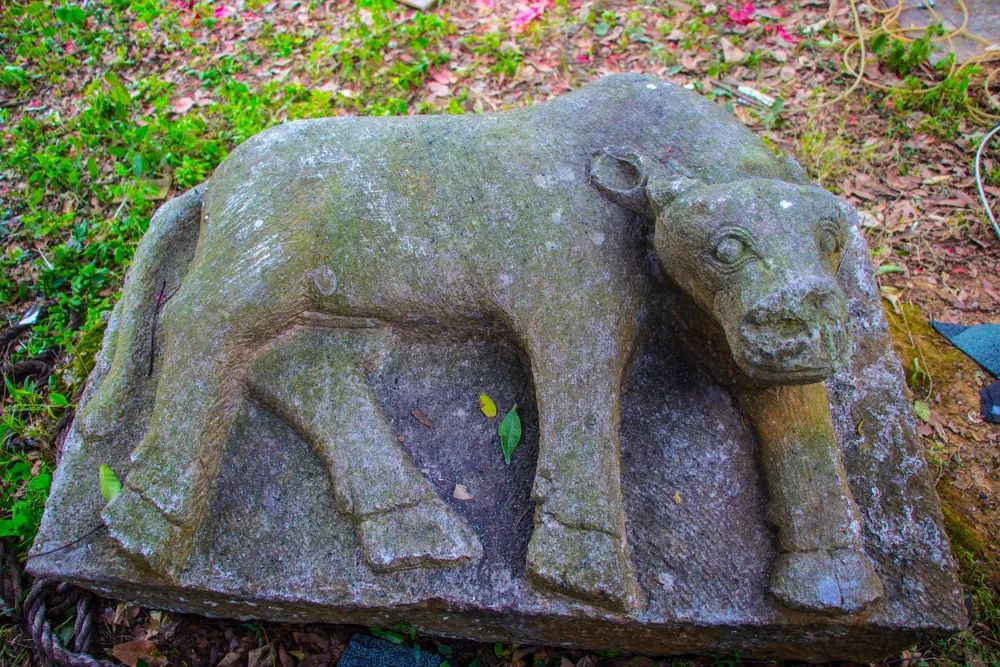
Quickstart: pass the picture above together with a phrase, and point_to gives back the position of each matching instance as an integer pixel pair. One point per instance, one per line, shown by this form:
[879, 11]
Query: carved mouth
[810, 354]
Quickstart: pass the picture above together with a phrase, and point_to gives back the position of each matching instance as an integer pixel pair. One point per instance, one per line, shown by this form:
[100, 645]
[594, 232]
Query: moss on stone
[926, 356]
[963, 535]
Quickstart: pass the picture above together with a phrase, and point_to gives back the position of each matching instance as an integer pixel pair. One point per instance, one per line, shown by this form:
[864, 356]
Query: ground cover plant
[109, 107]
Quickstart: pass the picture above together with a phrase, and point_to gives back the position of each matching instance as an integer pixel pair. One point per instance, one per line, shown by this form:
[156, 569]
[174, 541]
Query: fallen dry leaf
[462, 492]
[422, 418]
[438, 89]
[260, 657]
[518, 659]
[732, 53]
[181, 105]
[230, 659]
[131, 652]
[992, 291]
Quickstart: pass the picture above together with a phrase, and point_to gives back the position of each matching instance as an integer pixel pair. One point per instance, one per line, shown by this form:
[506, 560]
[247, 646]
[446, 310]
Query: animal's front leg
[578, 546]
[315, 380]
[822, 565]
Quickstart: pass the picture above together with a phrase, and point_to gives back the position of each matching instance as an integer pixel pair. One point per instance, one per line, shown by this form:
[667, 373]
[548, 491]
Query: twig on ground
[161, 298]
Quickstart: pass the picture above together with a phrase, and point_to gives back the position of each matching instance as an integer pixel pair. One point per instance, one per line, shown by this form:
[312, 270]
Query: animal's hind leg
[315, 380]
[208, 333]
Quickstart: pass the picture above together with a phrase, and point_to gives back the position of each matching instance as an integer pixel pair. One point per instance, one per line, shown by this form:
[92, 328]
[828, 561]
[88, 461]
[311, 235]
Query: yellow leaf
[487, 405]
[677, 497]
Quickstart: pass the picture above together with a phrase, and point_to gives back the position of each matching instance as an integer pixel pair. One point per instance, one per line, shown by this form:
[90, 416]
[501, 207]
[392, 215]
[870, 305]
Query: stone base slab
[275, 546]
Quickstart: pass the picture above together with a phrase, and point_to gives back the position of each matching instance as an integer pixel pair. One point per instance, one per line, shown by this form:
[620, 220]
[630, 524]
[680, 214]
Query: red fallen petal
[785, 36]
[743, 15]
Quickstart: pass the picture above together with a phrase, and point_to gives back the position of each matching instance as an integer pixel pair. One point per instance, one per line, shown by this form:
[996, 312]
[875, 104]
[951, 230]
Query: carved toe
[839, 581]
[146, 534]
[586, 564]
[429, 534]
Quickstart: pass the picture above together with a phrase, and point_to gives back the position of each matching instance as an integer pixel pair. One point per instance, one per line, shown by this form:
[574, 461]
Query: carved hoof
[429, 534]
[581, 563]
[145, 534]
[839, 581]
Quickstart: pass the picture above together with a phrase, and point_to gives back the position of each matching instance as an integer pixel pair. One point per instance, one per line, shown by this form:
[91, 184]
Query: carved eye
[731, 249]
[830, 240]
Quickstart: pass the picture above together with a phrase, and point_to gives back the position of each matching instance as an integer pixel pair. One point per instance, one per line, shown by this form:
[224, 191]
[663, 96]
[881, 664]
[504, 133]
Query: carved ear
[635, 181]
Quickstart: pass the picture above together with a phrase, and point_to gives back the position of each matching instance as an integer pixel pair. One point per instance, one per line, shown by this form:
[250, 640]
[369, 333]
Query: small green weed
[501, 56]
[829, 154]
[940, 90]
[23, 491]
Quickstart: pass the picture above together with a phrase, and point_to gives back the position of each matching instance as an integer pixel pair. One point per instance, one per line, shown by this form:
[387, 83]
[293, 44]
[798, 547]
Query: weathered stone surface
[627, 264]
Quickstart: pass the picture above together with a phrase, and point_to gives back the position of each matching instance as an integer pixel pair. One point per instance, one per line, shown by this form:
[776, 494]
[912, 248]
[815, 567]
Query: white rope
[979, 179]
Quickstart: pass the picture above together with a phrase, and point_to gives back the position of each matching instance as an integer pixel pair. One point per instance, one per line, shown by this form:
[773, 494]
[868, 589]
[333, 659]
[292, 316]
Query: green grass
[22, 498]
[941, 91]
[831, 154]
[981, 641]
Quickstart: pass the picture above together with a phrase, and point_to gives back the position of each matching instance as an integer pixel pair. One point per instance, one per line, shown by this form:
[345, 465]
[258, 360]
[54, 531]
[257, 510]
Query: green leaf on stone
[510, 433]
[110, 486]
[58, 400]
[923, 410]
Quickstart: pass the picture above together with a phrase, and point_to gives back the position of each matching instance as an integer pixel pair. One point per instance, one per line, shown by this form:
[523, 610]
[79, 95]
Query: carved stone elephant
[323, 241]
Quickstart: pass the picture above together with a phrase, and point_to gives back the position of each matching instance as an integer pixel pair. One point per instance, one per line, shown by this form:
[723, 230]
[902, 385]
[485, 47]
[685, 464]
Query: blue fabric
[980, 341]
[367, 651]
[989, 402]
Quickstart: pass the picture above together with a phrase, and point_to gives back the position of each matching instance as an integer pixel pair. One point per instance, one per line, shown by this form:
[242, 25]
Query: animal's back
[410, 212]
[414, 211]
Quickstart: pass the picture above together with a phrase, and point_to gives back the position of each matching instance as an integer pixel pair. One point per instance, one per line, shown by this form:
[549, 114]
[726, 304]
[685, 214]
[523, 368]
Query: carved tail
[124, 372]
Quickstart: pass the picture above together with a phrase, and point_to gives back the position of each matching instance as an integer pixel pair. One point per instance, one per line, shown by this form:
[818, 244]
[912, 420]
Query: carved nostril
[778, 319]
[826, 302]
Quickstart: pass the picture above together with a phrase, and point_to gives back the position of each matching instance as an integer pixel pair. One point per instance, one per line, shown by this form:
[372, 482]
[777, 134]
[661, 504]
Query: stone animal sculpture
[322, 242]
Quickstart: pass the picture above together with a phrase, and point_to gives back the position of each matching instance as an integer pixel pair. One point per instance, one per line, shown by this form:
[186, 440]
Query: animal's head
[759, 255]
